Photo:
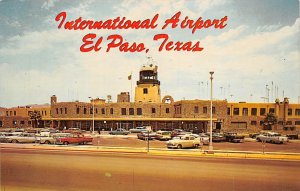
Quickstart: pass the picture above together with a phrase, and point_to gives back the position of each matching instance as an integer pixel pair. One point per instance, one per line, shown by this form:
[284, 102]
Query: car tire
[66, 143]
[196, 146]
[14, 141]
[179, 146]
[47, 142]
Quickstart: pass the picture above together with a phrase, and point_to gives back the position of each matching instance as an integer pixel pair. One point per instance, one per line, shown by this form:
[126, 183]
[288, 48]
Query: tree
[269, 121]
[35, 116]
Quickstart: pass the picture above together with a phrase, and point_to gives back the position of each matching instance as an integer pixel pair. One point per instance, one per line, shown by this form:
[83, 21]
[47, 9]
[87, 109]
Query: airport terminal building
[149, 108]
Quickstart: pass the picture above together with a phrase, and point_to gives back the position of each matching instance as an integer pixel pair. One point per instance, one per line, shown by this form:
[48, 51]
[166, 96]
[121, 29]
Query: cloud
[48, 4]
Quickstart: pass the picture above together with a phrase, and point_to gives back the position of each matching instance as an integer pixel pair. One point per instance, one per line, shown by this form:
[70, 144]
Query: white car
[186, 141]
[23, 138]
[271, 137]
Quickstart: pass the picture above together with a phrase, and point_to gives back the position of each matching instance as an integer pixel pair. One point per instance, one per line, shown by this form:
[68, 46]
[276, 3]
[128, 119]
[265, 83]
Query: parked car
[178, 132]
[272, 137]
[185, 141]
[234, 137]
[204, 138]
[218, 137]
[73, 139]
[254, 135]
[119, 132]
[72, 130]
[23, 138]
[137, 129]
[163, 135]
[145, 135]
[52, 138]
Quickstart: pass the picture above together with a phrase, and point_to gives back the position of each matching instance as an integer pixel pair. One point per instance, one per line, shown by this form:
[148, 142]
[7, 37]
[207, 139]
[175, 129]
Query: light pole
[211, 125]
[93, 102]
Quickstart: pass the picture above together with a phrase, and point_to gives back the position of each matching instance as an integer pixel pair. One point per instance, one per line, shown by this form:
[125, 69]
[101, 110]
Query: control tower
[148, 86]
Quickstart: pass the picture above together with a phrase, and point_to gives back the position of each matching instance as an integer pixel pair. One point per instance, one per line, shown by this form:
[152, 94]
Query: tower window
[123, 111]
[153, 110]
[139, 111]
[131, 111]
[167, 110]
[145, 90]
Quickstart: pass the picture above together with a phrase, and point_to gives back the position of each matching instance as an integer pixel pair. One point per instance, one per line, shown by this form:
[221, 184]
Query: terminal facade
[151, 109]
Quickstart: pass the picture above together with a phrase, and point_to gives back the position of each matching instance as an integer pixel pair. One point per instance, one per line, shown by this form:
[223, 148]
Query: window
[45, 112]
[14, 122]
[167, 110]
[84, 110]
[42, 112]
[77, 110]
[261, 122]
[91, 110]
[22, 122]
[56, 110]
[66, 110]
[111, 111]
[236, 111]
[245, 111]
[297, 122]
[271, 110]
[280, 122]
[253, 122]
[61, 110]
[131, 111]
[145, 90]
[7, 113]
[253, 111]
[290, 112]
[123, 111]
[262, 111]
[96, 110]
[228, 110]
[139, 111]
[29, 122]
[153, 110]
[196, 109]
[15, 113]
[205, 109]
[297, 112]
[10, 113]
[213, 110]
[1, 123]
[289, 122]
[103, 111]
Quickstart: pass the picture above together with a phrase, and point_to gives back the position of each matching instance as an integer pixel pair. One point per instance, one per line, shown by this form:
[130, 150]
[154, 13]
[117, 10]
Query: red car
[74, 139]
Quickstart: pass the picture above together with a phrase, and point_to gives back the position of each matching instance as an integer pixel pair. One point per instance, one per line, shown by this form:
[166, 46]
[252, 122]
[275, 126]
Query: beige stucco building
[150, 109]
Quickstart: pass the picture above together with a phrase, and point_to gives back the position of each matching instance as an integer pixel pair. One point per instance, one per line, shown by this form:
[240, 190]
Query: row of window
[204, 109]
[262, 111]
[124, 111]
[11, 113]
[14, 113]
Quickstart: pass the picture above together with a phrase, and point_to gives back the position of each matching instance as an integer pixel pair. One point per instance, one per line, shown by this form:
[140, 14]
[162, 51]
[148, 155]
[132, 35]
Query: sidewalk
[162, 152]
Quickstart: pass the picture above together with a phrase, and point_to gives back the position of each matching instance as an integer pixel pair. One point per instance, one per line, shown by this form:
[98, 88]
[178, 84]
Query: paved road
[57, 170]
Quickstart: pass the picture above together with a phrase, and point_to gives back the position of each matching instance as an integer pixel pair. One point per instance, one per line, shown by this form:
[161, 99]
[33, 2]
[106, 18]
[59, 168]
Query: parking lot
[292, 146]
[131, 140]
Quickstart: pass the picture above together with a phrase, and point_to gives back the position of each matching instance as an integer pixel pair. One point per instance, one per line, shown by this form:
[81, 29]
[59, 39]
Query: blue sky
[258, 47]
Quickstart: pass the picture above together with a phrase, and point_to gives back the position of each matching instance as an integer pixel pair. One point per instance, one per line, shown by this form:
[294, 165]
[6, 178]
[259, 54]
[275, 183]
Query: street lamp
[93, 102]
[211, 125]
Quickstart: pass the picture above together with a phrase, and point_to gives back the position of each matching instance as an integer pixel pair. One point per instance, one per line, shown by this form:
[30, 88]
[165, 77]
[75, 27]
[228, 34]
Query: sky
[257, 50]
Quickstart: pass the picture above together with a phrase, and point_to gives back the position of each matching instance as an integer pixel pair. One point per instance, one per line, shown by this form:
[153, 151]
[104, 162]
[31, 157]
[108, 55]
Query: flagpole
[131, 87]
